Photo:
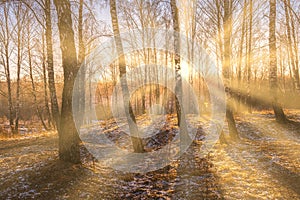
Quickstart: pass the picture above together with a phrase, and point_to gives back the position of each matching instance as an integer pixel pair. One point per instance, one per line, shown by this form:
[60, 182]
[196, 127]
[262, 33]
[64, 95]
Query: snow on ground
[264, 164]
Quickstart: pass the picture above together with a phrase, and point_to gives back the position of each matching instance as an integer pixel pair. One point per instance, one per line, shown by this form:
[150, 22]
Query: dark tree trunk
[19, 60]
[240, 53]
[68, 136]
[227, 25]
[81, 57]
[50, 67]
[38, 110]
[136, 141]
[46, 98]
[279, 114]
[292, 52]
[295, 47]
[7, 68]
[249, 55]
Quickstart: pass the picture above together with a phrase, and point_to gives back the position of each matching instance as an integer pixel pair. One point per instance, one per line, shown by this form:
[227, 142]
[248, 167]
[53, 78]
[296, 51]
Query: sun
[185, 69]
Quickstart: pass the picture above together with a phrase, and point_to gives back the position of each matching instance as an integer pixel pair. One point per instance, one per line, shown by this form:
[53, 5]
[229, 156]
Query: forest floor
[263, 164]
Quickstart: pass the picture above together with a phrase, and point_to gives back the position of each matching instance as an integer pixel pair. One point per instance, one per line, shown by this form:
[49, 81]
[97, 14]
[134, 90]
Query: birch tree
[136, 141]
[279, 114]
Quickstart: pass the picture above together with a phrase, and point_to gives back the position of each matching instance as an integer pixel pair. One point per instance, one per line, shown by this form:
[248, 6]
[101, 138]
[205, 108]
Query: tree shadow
[197, 172]
[190, 177]
[288, 178]
[292, 125]
[46, 180]
[9, 146]
[285, 176]
[249, 131]
[200, 180]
